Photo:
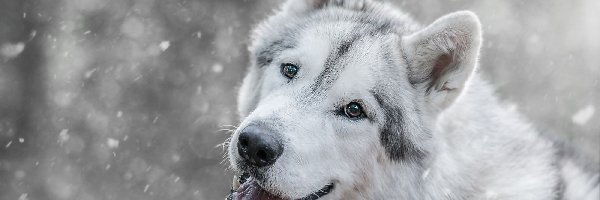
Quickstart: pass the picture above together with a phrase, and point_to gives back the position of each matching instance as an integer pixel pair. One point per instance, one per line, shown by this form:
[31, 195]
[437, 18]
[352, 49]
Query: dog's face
[333, 97]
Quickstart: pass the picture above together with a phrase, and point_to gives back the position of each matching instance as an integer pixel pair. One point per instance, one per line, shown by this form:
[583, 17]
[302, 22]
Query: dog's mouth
[247, 188]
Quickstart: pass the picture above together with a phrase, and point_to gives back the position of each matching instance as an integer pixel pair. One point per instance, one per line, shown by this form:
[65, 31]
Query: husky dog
[351, 99]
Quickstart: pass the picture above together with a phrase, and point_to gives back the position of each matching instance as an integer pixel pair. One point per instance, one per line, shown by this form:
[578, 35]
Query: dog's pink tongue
[250, 190]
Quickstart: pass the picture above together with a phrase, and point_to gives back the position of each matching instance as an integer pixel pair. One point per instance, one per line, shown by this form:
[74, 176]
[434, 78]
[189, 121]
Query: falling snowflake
[146, 188]
[217, 68]
[582, 116]
[12, 50]
[164, 45]
[23, 197]
[63, 136]
[112, 143]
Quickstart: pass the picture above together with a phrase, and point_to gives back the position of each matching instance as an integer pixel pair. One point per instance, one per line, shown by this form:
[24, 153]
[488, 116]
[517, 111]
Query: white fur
[477, 148]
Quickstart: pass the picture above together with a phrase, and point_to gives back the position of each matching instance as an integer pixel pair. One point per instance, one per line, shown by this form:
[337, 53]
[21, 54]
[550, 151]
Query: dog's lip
[320, 193]
[312, 196]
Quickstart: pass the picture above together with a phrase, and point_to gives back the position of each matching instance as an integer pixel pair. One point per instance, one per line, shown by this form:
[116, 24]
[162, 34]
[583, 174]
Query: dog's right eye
[289, 70]
[354, 110]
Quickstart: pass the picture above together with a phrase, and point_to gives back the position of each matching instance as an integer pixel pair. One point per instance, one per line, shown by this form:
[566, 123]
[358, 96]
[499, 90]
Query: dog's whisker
[230, 126]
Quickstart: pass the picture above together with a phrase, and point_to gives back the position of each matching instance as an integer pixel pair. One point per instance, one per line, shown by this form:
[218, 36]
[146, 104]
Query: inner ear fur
[443, 55]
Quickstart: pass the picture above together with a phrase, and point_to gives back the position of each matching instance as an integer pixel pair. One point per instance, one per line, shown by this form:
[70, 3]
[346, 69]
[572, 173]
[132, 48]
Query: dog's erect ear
[442, 56]
[300, 6]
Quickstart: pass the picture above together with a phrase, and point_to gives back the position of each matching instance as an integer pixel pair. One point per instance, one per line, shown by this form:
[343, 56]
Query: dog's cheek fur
[248, 95]
[400, 135]
[309, 160]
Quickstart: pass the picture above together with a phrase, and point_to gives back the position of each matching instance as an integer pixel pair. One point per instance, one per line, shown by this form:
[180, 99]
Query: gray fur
[332, 67]
[265, 56]
[434, 129]
[394, 137]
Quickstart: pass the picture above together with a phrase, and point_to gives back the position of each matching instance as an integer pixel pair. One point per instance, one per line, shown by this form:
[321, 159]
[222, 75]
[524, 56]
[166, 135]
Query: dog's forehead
[339, 55]
[342, 57]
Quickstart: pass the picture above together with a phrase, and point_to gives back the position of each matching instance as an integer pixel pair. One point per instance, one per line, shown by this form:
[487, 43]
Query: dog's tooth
[236, 182]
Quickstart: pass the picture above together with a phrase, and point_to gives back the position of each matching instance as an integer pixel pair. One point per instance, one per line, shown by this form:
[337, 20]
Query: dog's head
[337, 91]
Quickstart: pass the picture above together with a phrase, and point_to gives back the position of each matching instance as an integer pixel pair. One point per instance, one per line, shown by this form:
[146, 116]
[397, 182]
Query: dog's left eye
[289, 70]
[353, 110]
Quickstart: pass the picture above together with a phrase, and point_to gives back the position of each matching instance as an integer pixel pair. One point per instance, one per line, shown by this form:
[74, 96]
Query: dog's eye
[289, 70]
[353, 110]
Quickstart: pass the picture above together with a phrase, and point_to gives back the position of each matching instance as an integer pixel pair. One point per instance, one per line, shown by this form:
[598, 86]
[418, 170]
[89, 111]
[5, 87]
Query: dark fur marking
[382, 28]
[393, 137]
[266, 55]
[559, 189]
[332, 68]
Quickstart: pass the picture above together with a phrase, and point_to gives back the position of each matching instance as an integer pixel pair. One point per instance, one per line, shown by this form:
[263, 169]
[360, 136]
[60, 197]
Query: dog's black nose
[259, 147]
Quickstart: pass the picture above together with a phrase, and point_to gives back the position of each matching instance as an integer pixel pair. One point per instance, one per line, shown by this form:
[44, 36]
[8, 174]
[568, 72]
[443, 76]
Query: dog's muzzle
[258, 148]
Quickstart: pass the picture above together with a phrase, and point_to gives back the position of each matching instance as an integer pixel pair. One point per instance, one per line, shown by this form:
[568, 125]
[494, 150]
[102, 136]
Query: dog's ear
[442, 56]
[301, 6]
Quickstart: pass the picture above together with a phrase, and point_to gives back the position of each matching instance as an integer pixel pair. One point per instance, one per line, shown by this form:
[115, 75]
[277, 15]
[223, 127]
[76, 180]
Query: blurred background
[129, 99]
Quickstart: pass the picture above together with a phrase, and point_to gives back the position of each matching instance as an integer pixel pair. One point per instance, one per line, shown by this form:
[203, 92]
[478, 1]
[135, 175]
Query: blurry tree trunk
[23, 109]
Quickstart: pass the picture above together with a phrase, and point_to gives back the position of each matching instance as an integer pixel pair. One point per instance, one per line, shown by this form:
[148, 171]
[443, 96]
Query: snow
[89, 73]
[63, 135]
[32, 35]
[164, 45]
[23, 196]
[10, 50]
[583, 115]
[217, 68]
[112, 143]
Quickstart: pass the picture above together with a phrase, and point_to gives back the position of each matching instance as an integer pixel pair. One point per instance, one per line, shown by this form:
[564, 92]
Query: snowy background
[128, 99]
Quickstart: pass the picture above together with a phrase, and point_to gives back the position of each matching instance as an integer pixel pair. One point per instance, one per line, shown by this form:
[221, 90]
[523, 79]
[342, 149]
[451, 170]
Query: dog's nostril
[244, 142]
[263, 155]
